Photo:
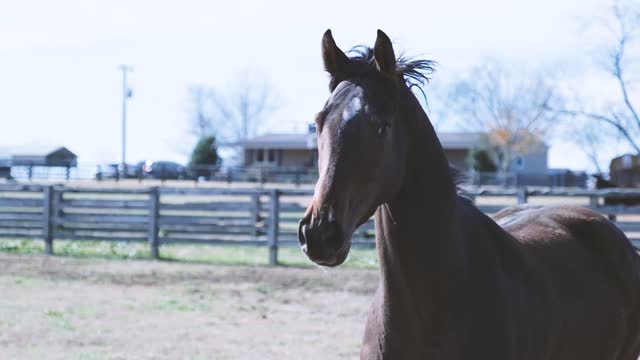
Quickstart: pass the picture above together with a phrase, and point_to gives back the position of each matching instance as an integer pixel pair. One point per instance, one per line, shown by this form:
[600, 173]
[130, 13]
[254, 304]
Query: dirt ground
[65, 308]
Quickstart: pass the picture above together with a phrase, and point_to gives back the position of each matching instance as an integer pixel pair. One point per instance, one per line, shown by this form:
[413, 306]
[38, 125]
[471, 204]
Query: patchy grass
[91, 356]
[179, 305]
[74, 308]
[219, 254]
[264, 289]
[9, 324]
[60, 319]
[85, 249]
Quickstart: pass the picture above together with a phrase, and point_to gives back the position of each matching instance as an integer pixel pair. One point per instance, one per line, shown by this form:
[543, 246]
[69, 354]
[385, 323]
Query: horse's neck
[420, 255]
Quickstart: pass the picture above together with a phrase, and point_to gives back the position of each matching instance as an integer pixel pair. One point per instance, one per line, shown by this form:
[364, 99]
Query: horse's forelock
[415, 72]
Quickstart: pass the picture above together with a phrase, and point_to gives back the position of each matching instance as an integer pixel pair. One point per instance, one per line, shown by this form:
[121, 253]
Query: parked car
[5, 172]
[107, 171]
[117, 171]
[164, 170]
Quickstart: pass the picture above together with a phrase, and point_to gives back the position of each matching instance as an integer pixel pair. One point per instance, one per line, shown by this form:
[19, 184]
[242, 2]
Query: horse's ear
[383, 54]
[334, 59]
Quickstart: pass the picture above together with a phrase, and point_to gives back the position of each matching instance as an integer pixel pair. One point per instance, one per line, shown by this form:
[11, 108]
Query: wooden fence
[265, 217]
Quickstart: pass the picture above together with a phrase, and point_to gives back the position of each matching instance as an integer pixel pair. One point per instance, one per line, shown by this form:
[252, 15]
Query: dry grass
[62, 308]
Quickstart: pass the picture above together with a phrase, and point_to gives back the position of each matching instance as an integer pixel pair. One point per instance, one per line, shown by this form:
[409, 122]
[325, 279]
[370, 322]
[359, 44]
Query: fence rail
[265, 217]
[256, 174]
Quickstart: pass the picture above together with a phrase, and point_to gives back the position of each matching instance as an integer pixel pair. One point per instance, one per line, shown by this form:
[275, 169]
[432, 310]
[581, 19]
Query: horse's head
[362, 146]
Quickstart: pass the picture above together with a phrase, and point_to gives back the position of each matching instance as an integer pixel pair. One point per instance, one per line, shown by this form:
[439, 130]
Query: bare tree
[590, 139]
[200, 111]
[234, 113]
[621, 113]
[242, 111]
[513, 108]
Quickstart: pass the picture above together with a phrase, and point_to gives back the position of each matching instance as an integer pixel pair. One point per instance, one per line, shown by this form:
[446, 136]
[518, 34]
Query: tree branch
[621, 129]
[623, 88]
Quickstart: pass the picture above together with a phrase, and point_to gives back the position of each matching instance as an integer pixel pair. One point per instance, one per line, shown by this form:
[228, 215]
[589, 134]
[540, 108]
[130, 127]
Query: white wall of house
[531, 163]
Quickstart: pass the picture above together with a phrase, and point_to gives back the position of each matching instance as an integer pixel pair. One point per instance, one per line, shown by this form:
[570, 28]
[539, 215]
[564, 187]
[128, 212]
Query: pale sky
[60, 83]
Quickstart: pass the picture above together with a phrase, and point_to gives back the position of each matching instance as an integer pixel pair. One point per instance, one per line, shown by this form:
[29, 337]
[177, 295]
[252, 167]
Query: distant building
[624, 170]
[300, 151]
[280, 151]
[50, 156]
[458, 145]
[31, 157]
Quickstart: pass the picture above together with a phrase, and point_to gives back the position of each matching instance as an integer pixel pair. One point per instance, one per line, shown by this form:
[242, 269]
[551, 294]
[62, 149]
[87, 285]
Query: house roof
[449, 140]
[280, 141]
[460, 140]
[38, 155]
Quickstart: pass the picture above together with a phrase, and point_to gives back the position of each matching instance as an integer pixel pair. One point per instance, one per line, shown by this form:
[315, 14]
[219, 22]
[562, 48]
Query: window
[271, 155]
[260, 155]
[519, 162]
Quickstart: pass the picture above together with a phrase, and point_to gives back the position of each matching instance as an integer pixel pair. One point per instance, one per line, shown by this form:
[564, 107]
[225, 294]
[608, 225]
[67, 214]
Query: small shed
[58, 156]
[26, 158]
[624, 170]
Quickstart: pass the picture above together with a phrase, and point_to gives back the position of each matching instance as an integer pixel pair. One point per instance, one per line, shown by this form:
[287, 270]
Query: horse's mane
[457, 176]
[416, 72]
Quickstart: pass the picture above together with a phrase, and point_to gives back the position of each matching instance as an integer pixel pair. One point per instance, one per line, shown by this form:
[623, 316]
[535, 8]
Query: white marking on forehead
[352, 109]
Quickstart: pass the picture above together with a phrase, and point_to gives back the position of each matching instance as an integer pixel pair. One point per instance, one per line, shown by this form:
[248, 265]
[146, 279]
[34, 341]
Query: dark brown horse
[543, 283]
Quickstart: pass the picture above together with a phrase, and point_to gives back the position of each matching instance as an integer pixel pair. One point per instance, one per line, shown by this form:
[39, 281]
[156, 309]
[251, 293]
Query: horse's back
[570, 235]
[588, 268]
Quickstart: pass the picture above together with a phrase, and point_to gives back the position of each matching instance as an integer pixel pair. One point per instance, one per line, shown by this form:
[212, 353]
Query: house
[281, 151]
[458, 145]
[286, 151]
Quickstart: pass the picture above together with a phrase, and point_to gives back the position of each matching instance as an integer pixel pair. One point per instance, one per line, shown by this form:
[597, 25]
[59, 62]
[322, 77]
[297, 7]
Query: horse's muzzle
[323, 241]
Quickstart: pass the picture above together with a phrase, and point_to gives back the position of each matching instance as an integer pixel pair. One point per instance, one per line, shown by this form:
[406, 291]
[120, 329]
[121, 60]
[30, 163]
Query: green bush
[482, 161]
[205, 154]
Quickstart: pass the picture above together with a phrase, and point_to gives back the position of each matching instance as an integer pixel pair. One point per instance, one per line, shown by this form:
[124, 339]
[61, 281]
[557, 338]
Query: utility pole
[126, 94]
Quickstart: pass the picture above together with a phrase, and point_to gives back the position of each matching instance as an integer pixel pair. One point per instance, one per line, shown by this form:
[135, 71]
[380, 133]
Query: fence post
[154, 221]
[593, 201]
[274, 213]
[255, 213]
[47, 223]
[522, 195]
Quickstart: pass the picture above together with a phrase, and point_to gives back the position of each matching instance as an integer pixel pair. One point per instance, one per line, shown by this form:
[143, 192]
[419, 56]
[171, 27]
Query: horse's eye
[383, 130]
